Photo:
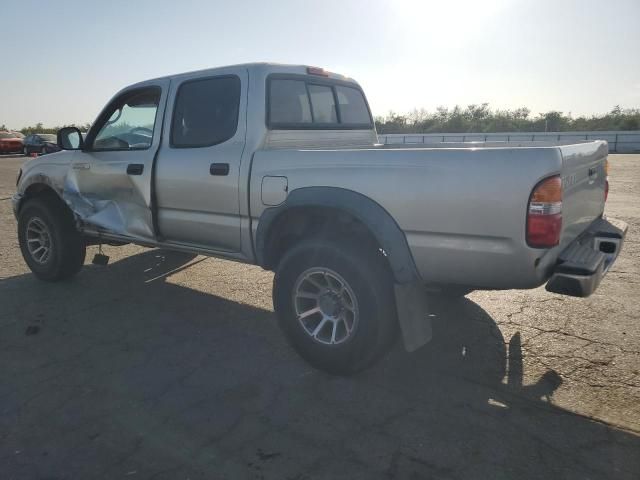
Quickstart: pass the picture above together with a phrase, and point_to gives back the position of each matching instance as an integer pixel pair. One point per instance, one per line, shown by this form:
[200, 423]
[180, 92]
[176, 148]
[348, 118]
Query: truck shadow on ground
[120, 371]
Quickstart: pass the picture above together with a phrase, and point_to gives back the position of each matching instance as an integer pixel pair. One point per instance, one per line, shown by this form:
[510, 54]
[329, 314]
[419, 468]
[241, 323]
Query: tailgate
[584, 182]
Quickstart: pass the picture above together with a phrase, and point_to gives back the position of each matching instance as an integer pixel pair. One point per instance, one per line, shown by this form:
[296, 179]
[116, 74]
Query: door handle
[135, 168]
[219, 169]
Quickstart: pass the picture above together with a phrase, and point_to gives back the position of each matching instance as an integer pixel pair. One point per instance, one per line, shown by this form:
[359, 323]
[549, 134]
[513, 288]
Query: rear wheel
[335, 304]
[25, 151]
[50, 244]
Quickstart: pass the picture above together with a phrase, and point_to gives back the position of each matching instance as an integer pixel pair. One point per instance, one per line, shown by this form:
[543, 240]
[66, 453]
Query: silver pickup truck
[280, 166]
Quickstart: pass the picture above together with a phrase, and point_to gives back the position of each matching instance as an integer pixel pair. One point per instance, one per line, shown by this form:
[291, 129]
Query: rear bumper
[587, 259]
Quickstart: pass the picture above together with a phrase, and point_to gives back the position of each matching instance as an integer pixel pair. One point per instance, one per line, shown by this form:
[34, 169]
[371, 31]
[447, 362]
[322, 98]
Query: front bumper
[587, 259]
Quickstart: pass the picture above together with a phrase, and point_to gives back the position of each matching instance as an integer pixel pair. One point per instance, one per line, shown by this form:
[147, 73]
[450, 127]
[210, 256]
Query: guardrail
[619, 142]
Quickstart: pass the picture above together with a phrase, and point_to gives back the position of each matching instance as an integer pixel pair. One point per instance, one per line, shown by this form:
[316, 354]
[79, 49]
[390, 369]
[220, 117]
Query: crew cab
[280, 166]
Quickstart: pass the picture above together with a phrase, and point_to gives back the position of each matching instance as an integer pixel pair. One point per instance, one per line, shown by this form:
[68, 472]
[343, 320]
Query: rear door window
[206, 112]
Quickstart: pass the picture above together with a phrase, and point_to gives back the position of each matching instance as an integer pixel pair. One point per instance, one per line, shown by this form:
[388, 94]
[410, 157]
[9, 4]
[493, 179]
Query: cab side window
[205, 112]
[129, 123]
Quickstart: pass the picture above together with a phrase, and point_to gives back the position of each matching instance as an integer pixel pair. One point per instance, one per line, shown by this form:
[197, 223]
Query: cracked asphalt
[171, 366]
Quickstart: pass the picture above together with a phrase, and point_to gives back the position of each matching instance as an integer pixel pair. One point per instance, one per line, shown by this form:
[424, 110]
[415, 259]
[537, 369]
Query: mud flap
[413, 315]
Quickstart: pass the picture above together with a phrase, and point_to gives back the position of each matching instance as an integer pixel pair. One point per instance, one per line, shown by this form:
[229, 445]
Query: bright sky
[63, 60]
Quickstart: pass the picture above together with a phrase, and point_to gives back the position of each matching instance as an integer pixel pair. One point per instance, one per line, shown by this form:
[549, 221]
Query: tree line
[480, 118]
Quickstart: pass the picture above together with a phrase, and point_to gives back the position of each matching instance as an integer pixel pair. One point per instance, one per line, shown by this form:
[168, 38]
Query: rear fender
[379, 222]
[410, 294]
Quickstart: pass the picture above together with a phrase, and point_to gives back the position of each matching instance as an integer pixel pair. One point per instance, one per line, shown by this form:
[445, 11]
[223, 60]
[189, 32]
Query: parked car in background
[10, 142]
[40, 143]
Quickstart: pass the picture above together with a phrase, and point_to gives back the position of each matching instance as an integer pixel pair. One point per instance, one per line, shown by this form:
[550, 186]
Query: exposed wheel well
[42, 190]
[299, 223]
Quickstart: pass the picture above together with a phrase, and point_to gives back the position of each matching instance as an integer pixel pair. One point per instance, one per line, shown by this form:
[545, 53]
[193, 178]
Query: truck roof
[257, 68]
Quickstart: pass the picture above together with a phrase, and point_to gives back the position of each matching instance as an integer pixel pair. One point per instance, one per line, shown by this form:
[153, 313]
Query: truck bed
[462, 207]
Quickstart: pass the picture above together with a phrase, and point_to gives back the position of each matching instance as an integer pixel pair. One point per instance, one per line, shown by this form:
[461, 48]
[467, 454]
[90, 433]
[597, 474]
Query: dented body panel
[102, 192]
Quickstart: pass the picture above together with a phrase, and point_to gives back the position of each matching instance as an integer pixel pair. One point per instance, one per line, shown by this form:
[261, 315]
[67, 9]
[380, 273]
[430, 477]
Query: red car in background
[10, 142]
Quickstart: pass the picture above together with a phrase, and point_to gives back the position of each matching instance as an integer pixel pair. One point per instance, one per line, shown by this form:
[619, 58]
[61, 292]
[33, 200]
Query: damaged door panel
[109, 185]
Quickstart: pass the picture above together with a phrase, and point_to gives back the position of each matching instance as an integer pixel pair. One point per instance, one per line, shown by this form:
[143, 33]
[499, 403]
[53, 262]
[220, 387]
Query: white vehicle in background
[279, 166]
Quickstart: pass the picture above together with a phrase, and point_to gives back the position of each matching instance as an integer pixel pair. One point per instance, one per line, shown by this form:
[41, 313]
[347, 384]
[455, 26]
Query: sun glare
[453, 20]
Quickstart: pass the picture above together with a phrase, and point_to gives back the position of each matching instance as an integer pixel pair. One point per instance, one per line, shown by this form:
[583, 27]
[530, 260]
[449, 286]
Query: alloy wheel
[325, 306]
[39, 241]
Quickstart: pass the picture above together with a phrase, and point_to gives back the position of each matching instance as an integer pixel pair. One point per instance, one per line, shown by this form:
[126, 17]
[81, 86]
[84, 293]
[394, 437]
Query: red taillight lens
[544, 215]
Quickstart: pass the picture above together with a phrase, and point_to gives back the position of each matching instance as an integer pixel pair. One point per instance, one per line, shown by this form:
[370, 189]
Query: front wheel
[335, 304]
[50, 244]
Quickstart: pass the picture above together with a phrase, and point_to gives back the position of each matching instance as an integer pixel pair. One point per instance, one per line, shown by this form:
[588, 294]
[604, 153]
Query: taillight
[544, 215]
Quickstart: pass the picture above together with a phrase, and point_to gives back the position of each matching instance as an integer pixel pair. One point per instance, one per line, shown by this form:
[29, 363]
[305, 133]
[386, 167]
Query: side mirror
[70, 138]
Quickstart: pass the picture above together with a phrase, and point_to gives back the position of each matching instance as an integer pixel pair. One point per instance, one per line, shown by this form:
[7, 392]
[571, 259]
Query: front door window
[129, 123]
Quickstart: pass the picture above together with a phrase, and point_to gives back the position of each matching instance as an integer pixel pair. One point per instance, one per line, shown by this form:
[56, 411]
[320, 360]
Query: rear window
[322, 104]
[289, 102]
[353, 108]
[205, 112]
[310, 103]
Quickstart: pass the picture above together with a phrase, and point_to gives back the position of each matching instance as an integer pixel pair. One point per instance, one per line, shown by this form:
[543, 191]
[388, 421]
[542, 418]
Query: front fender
[38, 180]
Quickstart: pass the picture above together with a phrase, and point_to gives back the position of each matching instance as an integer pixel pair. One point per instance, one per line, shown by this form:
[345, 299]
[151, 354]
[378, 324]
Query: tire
[371, 313]
[25, 151]
[43, 151]
[49, 224]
